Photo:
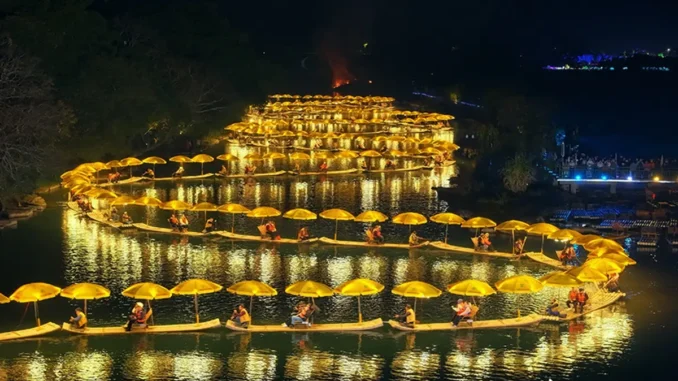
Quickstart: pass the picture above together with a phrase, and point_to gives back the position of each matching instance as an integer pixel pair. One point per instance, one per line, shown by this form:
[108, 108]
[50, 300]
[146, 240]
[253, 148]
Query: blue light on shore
[578, 177]
[603, 177]
[629, 178]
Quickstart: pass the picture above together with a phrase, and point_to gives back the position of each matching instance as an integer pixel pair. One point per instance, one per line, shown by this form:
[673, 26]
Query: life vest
[83, 319]
[139, 314]
[573, 295]
[245, 317]
[303, 312]
[582, 297]
[411, 318]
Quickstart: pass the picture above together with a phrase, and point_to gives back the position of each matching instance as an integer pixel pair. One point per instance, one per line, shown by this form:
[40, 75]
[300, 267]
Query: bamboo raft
[467, 250]
[72, 205]
[543, 259]
[99, 217]
[340, 172]
[365, 244]
[155, 229]
[194, 177]
[334, 327]
[120, 330]
[277, 173]
[597, 301]
[130, 180]
[257, 238]
[394, 170]
[528, 320]
[30, 332]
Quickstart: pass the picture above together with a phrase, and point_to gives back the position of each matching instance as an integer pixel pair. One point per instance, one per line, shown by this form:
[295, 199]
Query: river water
[632, 338]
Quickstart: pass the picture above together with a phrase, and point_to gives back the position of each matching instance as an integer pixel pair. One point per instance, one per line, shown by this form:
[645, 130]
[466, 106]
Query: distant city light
[656, 178]
[629, 178]
[603, 177]
[578, 177]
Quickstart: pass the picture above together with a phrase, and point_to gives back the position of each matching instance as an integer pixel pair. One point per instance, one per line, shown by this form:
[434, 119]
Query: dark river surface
[634, 338]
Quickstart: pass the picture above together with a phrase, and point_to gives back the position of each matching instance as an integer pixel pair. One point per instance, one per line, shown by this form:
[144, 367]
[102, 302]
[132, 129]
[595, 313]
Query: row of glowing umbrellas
[279, 126]
[368, 98]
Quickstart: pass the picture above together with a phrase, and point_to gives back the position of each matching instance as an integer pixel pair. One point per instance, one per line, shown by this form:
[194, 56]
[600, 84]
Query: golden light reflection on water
[415, 365]
[156, 365]
[256, 365]
[303, 267]
[70, 366]
[313, 364]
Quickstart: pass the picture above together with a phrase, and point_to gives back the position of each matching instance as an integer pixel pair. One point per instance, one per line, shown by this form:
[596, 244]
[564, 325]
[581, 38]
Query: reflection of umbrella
[359, 287]
[176, 205]
[202, 159]
[85, 291]
[337, 215]
[409, 218]
[587, 274]
[417, 289]
[252, 288]
[195, 287]
[604, 265]
[447, 219]
[35, 292]
[586, 238]
[543, 229]
[602, 243]
[233, 209]
[147, 291]
[371, 216]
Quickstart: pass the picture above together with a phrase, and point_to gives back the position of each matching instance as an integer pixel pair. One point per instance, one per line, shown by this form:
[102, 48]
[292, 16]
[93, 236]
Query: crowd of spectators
[615, 167]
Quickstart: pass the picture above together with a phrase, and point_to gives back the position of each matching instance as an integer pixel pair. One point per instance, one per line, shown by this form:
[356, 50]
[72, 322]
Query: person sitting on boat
[612, 284]
[407, 318]
[427, 162]
[323, 166]
[84, 205]
[303, 235]
[383, 148]
[183, 223]
[318, 144]
[115, 217]
[249, 169]
[80, 319]
[138, 316]
[174, 222]
[572, 298]
[240, 316]
[297, 168]
[582, 298]
[553, 309]
[568, 255]
[438, 160]
[149, 173]
[447, 156]
[389, 165]
[361, 145]
[223, 171]
[179, 173]
[485, 243]
[272, 231]
[300, 317]
[414, 239]
[210, 225]
[518, 246]
[363, 165]
[462, 310]
[376, 234]
[126, 219]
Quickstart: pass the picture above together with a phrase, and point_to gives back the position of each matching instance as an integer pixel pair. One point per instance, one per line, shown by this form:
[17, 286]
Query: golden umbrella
[300, 156]
[227, 157]
[114, 164]
[204, 207]
[81, 188]
[176, 205]
[602, 243]
[560, 279]
[102, 194]
[359, 287]
[233, 209]
[309, 289]
[409, 218]
[323, 155]
[337, 215]
[447, 219]
[370, 154]
[64, 176]
[512, 226]
[432, 151]
[148, 201]
[587, 274]
[273, 156]
[371, 216]
[123, 200]
[86, 168]
[478, 223]
[604, 265]
[154, 160]
[519, 284]
[195, 287]
[147, 291]
[586, 238]
[605, 250]
[252, 288]
[300, 214]
[79, 182]
[3, 299]
[253, 156]
[35, 292]
[263, 212]
[543, 229]
[202, 159]
[564, 235]
[417, 289]
[471, 287]
[348, 154]
[85, 291]
[130, 162]
[619, 258]
[180, 159]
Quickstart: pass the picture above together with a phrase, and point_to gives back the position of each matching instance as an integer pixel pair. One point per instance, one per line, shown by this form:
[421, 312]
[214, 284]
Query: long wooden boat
[241, 176]
[331, 241]
[72, 205]
[543, 259]
[243, 237]
[120, 330]
[597, 301]
[99, 217]
[130, 180]
[467, 250]
[394, 170]
[195, 177]
[155, 229]
[531, 319]
[340, 172]
[30, 332]
[332, 327]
